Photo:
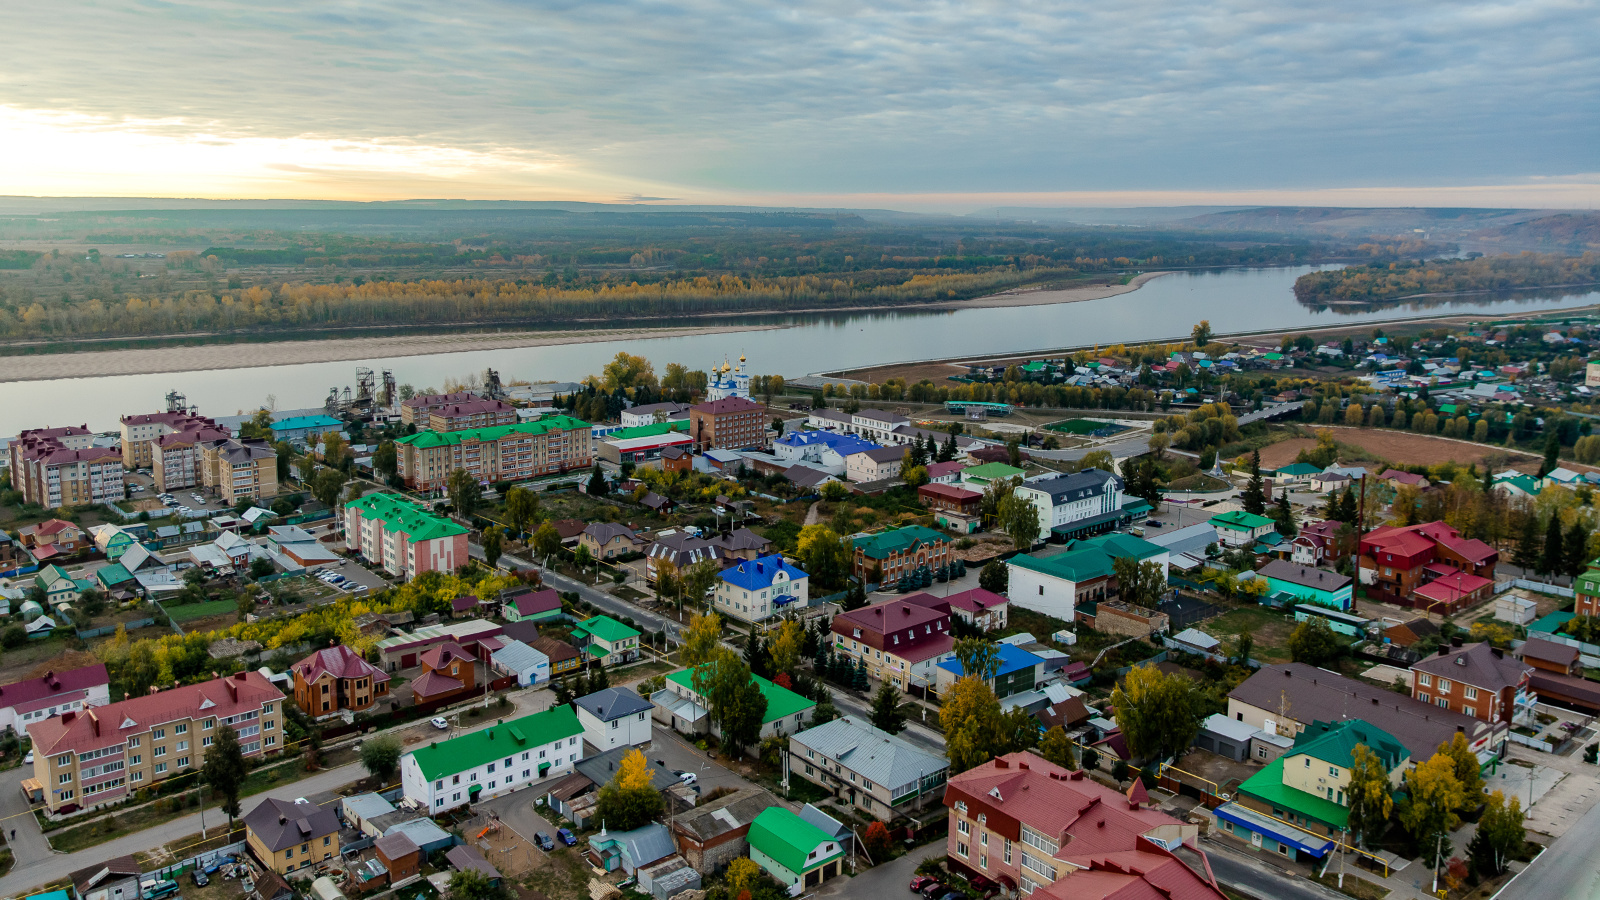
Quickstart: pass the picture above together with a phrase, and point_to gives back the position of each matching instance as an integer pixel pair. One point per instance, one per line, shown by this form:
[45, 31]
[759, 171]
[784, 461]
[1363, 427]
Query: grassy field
[1083, 426]
[1269, 628]
[191, 611]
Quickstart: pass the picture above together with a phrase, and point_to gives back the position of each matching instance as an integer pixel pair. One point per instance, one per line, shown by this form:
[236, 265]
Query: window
[182, 761]
[1334, 771]
[134, 759]
[963, 826]
[983, 861]
[1008, 851]
[1424, 679]
[158, 734]
[1444, 686]
[1442, 701]
[133, 742]
[160, 752]
[209, 724]
[160, 768]
[65, 777]
[205, 741]
[183, 745]
[1469, 711]
[181, 728]
[961, 849]
[136, 776]
[1425, 698]
[1470, 692]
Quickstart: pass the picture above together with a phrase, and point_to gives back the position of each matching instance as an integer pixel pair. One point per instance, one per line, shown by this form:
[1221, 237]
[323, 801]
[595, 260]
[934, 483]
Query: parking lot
[358, 579]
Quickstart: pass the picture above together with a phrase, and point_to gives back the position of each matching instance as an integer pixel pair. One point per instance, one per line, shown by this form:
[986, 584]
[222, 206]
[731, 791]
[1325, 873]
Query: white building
[51, 694]
[492, 761]
[754, 590]
[651, 413]
[1055, 585]
[824, 451]
[527, 664]
[1070, 499]
[877, 425]
[614, 717]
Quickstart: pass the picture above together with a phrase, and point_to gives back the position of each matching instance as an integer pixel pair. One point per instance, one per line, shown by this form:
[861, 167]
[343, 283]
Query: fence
[1196, 651]
[309, 517]
[1538, 587]
[1158, 658]
[104, 630]
[200, 859]
[1535, 743]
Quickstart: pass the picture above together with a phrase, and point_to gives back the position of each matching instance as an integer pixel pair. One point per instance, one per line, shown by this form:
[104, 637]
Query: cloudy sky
[915, 104]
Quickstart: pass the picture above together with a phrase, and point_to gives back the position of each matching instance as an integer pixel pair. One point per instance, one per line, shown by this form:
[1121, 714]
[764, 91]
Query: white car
[437, 721]
[28, 760]
[184, 509]
[688, 777]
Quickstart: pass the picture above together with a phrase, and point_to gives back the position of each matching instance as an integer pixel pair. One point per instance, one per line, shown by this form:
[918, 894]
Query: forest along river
[1234, 300]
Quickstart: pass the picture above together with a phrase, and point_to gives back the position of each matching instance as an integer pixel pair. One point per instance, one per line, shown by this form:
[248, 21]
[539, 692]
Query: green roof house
[1240, 529]
[899, 552]
[792, 850]
[1083, 573]
[113, 578]
[604, 639]
[982, 475]
[1295, 473]
[787, 712]
[1308, 785]
[1517, 484]
[57, 585]
[489, 762]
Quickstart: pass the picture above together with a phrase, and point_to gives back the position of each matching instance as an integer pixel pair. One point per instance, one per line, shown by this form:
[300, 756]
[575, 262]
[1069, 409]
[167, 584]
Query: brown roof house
[1408, 633]
[1477, 680]
[291, 835]
[609, 540]
[400, 855]
[114, 879]
[1551, 656]
[448, 672]
[331, 681]
[714, 834]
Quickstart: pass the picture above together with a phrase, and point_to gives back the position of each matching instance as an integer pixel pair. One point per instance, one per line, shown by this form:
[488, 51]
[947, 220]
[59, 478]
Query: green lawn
[191, 611]
[1269, 628]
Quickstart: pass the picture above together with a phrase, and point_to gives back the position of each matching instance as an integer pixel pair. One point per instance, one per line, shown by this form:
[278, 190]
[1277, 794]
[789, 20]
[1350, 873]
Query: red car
[918, 882]
[983, 885]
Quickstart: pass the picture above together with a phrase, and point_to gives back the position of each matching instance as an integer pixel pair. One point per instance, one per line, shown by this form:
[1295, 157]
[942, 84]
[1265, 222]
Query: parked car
[439, 723]
[918, 882]
[932, 889]
[984, 886]
[1152, 523]
[154, 890]
[688, 777]
[566, 837]
[28, 760]
[544, 841]
[199, 878]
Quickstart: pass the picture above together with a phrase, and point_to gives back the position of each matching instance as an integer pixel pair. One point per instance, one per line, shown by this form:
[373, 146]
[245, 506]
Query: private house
[1316, 543]
[524, 605]
[517, 659]
[1084, 573]
[51, 694]
[1286, 699]
[1295, 473]
[403, 651]
[824, 451]
[879, 774]
[606, 640]
[731, 423]
[681, 707]
[564, 658]
[950, 498]
[794, 852]
[1586, 591]
[946, 472]
[403, 538]
[1017, 671]
[715, 833]
[631, 851]
[57, 585]
[901, 641]
[1397, 479]
[1399, 561]
[984, 610]
[399, 855]
[874, 464]
[1241, 529]
[756, 590]
[609, 540]
[741, 543]
[1053, 834]
[680, 549]
[654, 414]
[112, 540]
[97, 755]
[1477, 680]
[289, 835]
[114, 879]
[449, 673]
[890, 555]
[1075, 505]
[978, 477]
[52, 539]
[487, 763]
[1307, 787]
[336, 680]
[1405, 634]
[1288, 583]
[1549, 656]
[614, 717]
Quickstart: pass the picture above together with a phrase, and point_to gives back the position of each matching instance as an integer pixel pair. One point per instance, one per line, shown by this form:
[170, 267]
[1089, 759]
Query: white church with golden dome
[728, 381]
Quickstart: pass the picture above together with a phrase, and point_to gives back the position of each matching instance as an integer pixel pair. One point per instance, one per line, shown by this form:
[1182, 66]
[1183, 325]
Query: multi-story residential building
[614, 717]
[606, 640]
[1301, 799]
[402, 537]
[290, 835]
[465, 414]
[877, 425]
[51, 694]
[758, 589]
[984, 610]
[86, 758]
[1430, 564]
[415, 411]
[888, 555]
[880, 774]
[1075, 505]
[549, 446]
[139, 433]
[1477, 680]
[732, 423]
[234, 469]
[1085, 573]
[874, 464]
[1060, 835]
[175, 457]
[901, 641]
[56, 467]
[492, 761]
[336, 680]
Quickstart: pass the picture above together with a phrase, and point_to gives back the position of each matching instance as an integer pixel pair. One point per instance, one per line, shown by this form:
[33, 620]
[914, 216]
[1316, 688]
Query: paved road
[1242, 873]
[1569, 869]
[28, 842]
[890, 880]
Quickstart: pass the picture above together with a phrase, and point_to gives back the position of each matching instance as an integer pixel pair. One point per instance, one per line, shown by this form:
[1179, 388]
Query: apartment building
[880, 774]
[56, 467]
[1476, 680]
[51, 694]
[467, 414]
[732, 423]
[492, 761]
[1077, 503]
[336, 680]
[232, 469]
[901, 641]
[403, 537]
[139, 433]
[1059, 834]
[415, 411]
[549, 446]
[175, 457]
[86, 758]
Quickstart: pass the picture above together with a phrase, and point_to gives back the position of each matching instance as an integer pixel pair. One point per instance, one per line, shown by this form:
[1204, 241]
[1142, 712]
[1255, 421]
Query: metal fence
[104, 630]
[1538, 587]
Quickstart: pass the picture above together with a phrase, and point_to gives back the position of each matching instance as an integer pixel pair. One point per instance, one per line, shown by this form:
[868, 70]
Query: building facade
[466, 414]
[550, 446]
[880, 774]
[502, 758]
[900, 551]
[139, 433]
[604, 639]
[290, 835]
[1477, 680]
[756, 590]
[614, 717]
[874, 464]
[56, 467]
[1056, 585]
[336, 680]
[175, 460]
[232, 470]
[402, 537]
[732, 423]
[1074, 500]
[900, 641]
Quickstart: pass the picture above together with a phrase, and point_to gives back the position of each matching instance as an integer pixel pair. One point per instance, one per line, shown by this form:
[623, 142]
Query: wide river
[1235, 300]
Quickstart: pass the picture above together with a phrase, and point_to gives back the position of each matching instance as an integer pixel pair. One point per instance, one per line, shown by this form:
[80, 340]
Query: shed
[467, 859]
[1225, 737]
[668, 878]
[422, 832]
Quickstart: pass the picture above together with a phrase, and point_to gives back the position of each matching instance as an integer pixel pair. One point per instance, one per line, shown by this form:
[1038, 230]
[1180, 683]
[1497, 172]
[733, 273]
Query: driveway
[21, 828]
[892, 879]
[679, 755]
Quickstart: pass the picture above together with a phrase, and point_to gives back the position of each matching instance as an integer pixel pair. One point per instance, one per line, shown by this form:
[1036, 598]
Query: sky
[921, 104]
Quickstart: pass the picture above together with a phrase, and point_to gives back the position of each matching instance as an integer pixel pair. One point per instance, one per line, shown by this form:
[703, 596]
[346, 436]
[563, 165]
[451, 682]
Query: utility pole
[1437, 852]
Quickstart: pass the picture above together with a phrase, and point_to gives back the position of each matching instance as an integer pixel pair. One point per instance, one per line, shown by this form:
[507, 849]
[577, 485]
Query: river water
[1234, 300]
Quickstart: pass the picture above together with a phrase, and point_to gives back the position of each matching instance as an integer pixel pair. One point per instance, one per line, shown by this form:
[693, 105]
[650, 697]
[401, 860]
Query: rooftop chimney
[283, 819]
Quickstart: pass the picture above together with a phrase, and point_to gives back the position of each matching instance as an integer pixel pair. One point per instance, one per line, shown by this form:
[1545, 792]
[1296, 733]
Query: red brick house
[732, 423]
[1396, 561]
[1476, 680]
[951, 497]
[448, 672]
[336, 679]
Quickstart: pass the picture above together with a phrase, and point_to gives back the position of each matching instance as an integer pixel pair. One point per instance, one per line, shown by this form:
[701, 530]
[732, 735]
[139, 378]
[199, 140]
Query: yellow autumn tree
[786, 646]
[742, 875]
[629, 800]
[701, 640]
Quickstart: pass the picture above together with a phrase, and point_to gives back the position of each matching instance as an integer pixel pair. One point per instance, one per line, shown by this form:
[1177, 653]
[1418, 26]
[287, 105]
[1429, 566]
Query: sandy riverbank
[290, 353]
[1036, 296]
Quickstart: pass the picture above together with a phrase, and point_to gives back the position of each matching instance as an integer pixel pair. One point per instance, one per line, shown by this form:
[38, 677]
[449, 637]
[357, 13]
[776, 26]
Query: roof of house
[711, 820]
[122, 866]
[1450, 585]
[442, 655]
[781, 701]
[1077, 486]
[530, 603]
[1411, 631]
[885, 544]
[1403, 477]
[892, 615]
[1149, 871]
[402, 515]
[976, 600]
[466, 858]
[882, 454]
[294, 423]
[1239, 520]
[790, 840]
[759, 573]
[725, 405]
[428, 439]
[477, 748]
[340, 662]
[613, 703]
[871, 752]
[557, 651]
[103, 726]
[1012, 659]
[1336, 742]
[941, 469]
[605, 628]
[1267, 785]
[434, 683]
[1548, 651]
[878, 415]
[950, 492]
[280, 824]
[805, 476]
[990, 471]
[396, 845]
[1304, 576]
[604, 533]
[1090, 558]
[51, 684]
[1067, 713]
[1297, 469]
[741, 539]
[517, 656]
[1479, 665]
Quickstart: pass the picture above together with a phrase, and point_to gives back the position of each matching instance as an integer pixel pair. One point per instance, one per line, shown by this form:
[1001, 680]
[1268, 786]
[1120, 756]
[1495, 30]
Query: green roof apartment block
[517, 452]
[402, 537]
[792, 850]
[606, 640]
[504, 757]
[899, 552]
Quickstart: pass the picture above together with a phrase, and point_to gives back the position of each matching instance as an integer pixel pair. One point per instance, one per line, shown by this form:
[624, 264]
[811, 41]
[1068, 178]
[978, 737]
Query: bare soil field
[935, 372]
[1399, 447]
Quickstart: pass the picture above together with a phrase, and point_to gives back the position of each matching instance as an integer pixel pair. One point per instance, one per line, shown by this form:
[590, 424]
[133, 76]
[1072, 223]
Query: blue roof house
[753, 590]
[1018, 671]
